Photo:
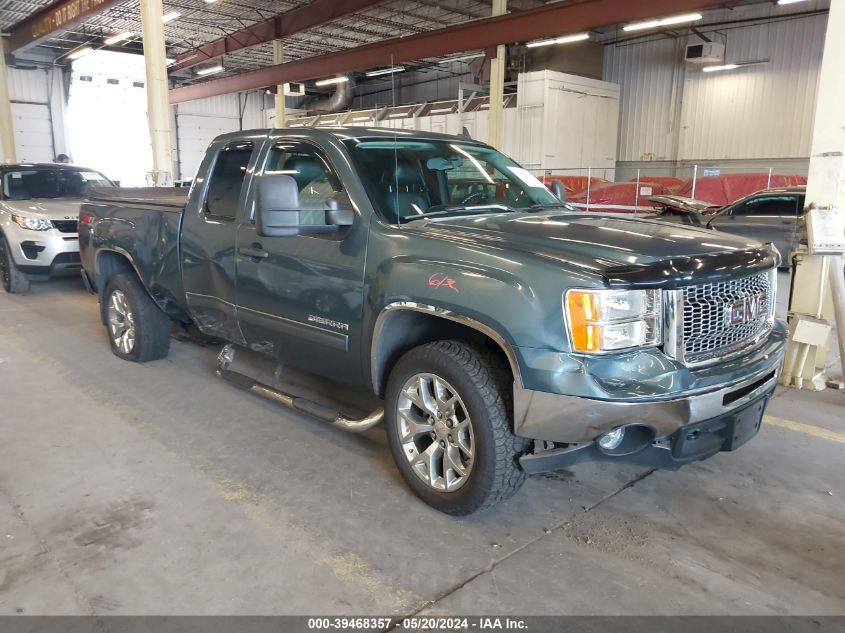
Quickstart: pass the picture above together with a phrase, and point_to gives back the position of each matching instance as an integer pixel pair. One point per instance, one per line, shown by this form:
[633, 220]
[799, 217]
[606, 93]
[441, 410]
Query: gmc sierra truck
[502, 332]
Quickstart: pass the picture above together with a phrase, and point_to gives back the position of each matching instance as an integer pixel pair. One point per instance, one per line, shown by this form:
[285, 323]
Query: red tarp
[671, 183]
[724, 189]
[619, 197]
[572, 184]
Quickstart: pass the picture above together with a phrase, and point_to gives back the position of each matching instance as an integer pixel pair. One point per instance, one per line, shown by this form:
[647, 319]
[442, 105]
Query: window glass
[408, 178]
[26, 184]
[227, 179]
[315, 179]
[769, 205]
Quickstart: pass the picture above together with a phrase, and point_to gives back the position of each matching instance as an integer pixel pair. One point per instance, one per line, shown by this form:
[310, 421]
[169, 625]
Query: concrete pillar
[817, 285]
[158, 105]
[7, 130]
[497, 85]
[279, 58]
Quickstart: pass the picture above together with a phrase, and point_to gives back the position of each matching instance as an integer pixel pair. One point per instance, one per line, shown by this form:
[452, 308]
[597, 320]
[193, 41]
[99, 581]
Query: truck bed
[137, 227]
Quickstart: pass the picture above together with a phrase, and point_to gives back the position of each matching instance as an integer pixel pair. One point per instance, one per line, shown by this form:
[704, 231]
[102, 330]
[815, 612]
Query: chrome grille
[715, 322]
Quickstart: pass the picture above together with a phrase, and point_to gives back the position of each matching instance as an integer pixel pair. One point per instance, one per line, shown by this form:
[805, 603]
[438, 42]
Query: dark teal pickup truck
[503, 332]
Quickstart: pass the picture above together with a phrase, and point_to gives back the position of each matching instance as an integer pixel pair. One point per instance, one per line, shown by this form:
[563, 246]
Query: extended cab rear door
[209, 231]
[300, 297]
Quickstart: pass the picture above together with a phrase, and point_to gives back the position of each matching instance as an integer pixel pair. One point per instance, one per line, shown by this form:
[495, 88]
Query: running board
[226, 359]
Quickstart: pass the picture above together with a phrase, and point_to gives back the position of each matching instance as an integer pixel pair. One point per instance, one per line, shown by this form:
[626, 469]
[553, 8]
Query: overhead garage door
[33, 137]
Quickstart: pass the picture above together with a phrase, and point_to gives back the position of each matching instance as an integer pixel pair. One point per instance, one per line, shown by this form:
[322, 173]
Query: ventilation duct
[336, 102]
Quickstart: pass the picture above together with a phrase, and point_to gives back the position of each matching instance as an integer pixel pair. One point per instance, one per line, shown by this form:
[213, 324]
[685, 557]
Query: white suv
[39, 209]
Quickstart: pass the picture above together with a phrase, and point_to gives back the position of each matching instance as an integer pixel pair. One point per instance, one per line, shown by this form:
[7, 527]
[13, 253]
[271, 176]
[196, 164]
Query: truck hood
[58, 209]
[625, 251]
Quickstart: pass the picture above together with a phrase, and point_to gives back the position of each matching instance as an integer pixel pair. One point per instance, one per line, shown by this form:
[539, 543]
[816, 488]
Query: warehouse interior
[156, 488]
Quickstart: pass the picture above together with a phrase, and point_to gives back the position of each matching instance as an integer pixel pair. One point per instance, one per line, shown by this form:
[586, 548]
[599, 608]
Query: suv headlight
[33, 224]
[610, 320]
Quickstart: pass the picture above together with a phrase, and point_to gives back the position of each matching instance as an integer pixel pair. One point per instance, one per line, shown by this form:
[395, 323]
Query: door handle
[255, 253]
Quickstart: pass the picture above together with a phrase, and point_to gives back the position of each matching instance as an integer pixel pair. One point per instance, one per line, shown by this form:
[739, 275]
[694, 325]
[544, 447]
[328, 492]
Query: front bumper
[712, 392]
[689, 443]
[43, 253]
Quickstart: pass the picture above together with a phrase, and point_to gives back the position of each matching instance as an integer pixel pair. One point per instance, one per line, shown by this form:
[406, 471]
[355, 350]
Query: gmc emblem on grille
[747, 310]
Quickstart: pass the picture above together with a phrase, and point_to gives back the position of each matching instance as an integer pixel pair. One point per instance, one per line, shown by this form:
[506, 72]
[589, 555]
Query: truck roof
[344, 132]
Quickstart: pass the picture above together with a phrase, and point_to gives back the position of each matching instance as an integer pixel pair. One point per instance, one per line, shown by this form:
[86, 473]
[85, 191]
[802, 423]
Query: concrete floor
[160, 489]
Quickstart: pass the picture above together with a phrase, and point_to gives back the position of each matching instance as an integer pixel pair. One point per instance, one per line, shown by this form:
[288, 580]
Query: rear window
[28, 184]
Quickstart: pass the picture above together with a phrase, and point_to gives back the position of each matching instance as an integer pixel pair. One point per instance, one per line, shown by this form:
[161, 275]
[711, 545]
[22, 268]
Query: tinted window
[26, 184]
[411, 177]
[227, 179]
[769, 205]
[315, 179]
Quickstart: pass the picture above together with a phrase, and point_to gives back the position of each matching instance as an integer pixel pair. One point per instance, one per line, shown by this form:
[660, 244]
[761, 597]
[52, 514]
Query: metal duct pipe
[336, 102]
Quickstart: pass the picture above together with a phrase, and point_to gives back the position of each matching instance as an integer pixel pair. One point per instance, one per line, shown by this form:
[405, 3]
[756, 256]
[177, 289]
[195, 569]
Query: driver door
[300, 296]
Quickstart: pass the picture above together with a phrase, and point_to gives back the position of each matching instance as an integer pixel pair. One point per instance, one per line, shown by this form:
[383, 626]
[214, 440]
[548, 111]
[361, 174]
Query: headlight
[33, 224]
[610, 320]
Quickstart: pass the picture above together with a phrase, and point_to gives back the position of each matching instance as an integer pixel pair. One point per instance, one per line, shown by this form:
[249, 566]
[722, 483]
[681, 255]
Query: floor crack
[492, 566]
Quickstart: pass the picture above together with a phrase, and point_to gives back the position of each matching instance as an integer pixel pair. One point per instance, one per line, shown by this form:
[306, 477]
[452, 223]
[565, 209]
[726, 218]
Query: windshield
[26, 184]
[409, 179]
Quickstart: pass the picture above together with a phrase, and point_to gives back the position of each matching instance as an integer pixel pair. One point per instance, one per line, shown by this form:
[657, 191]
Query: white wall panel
[671, 110]
[33, 136]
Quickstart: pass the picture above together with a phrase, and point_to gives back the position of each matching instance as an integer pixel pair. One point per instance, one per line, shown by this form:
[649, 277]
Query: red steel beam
[296, 20]
[58, 16]
[551, 20]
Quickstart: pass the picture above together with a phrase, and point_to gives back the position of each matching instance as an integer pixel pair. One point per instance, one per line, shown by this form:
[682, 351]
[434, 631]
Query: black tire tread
[18, 282]
[152, 326]
[494, 385]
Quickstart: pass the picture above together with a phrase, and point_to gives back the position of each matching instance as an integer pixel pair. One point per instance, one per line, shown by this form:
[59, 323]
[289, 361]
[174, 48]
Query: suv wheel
[138, 330]
[449, 430]
[14, 281]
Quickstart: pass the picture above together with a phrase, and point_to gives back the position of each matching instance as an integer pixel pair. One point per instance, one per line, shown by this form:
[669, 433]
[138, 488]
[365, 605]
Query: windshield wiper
[552, 205]
[479, 208]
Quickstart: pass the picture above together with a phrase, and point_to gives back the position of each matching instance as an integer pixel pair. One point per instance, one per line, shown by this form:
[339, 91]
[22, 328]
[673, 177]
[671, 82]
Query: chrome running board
[226, 359]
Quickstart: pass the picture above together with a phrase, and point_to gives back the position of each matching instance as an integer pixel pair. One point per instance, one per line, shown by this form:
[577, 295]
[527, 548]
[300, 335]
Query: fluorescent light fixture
[169, 62]
[210, 70]
[790, 1]
[398, 115]
[114, 39]
[331, 80]
[386, 71]
[441, 110]
[366, 117]
[713, 69]
[655, 24]
[79, 52]
[170, 16]
[462, 59]
[565, 39]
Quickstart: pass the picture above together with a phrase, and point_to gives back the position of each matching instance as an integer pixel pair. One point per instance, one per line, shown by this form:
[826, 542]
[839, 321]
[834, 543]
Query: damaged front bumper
[660, 432]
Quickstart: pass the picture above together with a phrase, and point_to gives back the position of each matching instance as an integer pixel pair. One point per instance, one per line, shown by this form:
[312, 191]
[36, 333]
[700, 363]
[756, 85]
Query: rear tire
[138, 330]
[475, 466]
[14, 281]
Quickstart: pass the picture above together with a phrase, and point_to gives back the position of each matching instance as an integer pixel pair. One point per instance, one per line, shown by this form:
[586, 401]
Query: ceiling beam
[57, 16]
[550, 20]
[296, 20]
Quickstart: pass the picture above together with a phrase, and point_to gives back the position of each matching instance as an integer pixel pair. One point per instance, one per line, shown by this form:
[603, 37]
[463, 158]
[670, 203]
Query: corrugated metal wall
[671, 110]
[199, 122]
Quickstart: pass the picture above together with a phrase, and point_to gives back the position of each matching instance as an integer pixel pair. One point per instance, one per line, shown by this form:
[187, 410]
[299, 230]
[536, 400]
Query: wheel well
[402, 330]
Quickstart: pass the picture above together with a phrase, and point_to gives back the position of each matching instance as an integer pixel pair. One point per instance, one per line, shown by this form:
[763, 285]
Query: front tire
[14, 281]
[449, 428]
[138, 330]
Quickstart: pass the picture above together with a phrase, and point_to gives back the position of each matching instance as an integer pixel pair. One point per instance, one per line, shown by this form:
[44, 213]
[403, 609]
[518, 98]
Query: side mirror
[278, 212]
[276, 205]
[558, 190]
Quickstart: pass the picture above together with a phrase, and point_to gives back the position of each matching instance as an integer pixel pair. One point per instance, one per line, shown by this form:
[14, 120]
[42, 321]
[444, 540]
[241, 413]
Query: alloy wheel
[435, 431]
[121, 322]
